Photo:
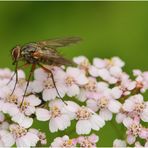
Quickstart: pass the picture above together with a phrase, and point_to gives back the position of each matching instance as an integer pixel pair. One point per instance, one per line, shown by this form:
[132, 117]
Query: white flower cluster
[87, 94]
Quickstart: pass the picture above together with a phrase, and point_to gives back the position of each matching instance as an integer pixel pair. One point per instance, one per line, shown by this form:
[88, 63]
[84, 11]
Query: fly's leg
[52, 77]
[16, 80]
[30, 74]
[15, 72]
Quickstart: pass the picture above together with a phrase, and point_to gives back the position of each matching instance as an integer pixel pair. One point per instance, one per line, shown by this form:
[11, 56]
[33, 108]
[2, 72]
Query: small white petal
[120, 117]
[128, 105]
[73, 90]
[116, 92]
[79, 59]
[130, 139]
[37, 86]
[22, 120]
[53, 127]
[99, 63]
[114, 106]
[144, 115]
[40, 74]
[119, 143]
[83, 127]
[92, 104]
[49, 94]
[97, 122]
[42, 114]
[127, 122]
[93, 71]
[115, 71]
[105, 114]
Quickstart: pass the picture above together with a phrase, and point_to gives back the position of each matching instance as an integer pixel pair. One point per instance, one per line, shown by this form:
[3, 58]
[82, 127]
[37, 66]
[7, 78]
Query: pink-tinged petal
[82, 95]
[78, 60]
[83, 127]
[62, 122]
[127, 122]
[6, 138]
[42, 114]
[99, 63]
[33, 100]
[61, 90]
[128, 105]
[114, 106]
[115, 71]
[117, 61]
[40, 74]
[37, 86]
[144, 115]
[105, 114]
[74, 72]
[93, 71]
[31, 138]
[131, 139]
[92, 104]
[96, 122]
[20, 142]
[119, 143]
[116, 92]
[12, 109]
[137, 72]
[143, 133]
[131, 85]
[120, 117]
[93, 138]
[22, 120]
[71, 106]
[29, 110]
[58, 102]
[73, 90]
[21, 74]
[81, 79]
[53, 127]
[104, 74]
[49, 94]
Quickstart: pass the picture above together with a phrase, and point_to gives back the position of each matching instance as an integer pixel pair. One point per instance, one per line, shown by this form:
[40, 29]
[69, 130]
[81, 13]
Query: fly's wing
[56, 43]
[48, 53]
[51, 57]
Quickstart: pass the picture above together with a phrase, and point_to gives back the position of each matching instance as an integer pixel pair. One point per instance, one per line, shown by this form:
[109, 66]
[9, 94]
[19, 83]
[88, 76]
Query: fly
[39, 53]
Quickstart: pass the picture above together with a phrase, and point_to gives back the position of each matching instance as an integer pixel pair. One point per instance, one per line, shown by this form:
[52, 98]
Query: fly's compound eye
[16, 52]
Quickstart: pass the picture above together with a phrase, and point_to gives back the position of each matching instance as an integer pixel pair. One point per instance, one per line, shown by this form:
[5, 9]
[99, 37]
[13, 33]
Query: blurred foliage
[107, 28]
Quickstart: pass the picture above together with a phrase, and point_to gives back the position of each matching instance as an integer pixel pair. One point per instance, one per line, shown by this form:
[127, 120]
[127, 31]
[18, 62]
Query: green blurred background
[107, 28]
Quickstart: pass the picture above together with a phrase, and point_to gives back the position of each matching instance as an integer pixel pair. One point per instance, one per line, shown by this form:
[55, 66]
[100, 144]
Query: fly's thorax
[27, 52]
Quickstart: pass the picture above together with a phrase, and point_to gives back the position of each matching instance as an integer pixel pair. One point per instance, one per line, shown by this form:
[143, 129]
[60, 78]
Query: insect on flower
[38, 53]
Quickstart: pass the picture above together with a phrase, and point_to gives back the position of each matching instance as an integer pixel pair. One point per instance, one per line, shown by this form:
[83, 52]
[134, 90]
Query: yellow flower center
[48, 84]
[102, 102]
[139, 107]
[69, 81]
[25, 105]
[83, 113]
[12, 98]
[18, 131]
[67, 143]
[86, 143]
[135, 129]
[90, 86]
[55, 112]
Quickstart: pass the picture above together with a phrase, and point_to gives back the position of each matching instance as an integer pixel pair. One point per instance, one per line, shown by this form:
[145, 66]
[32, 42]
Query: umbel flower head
[80, 101]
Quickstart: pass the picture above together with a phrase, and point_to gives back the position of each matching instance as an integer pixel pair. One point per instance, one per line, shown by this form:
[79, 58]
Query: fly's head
[16, 54]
